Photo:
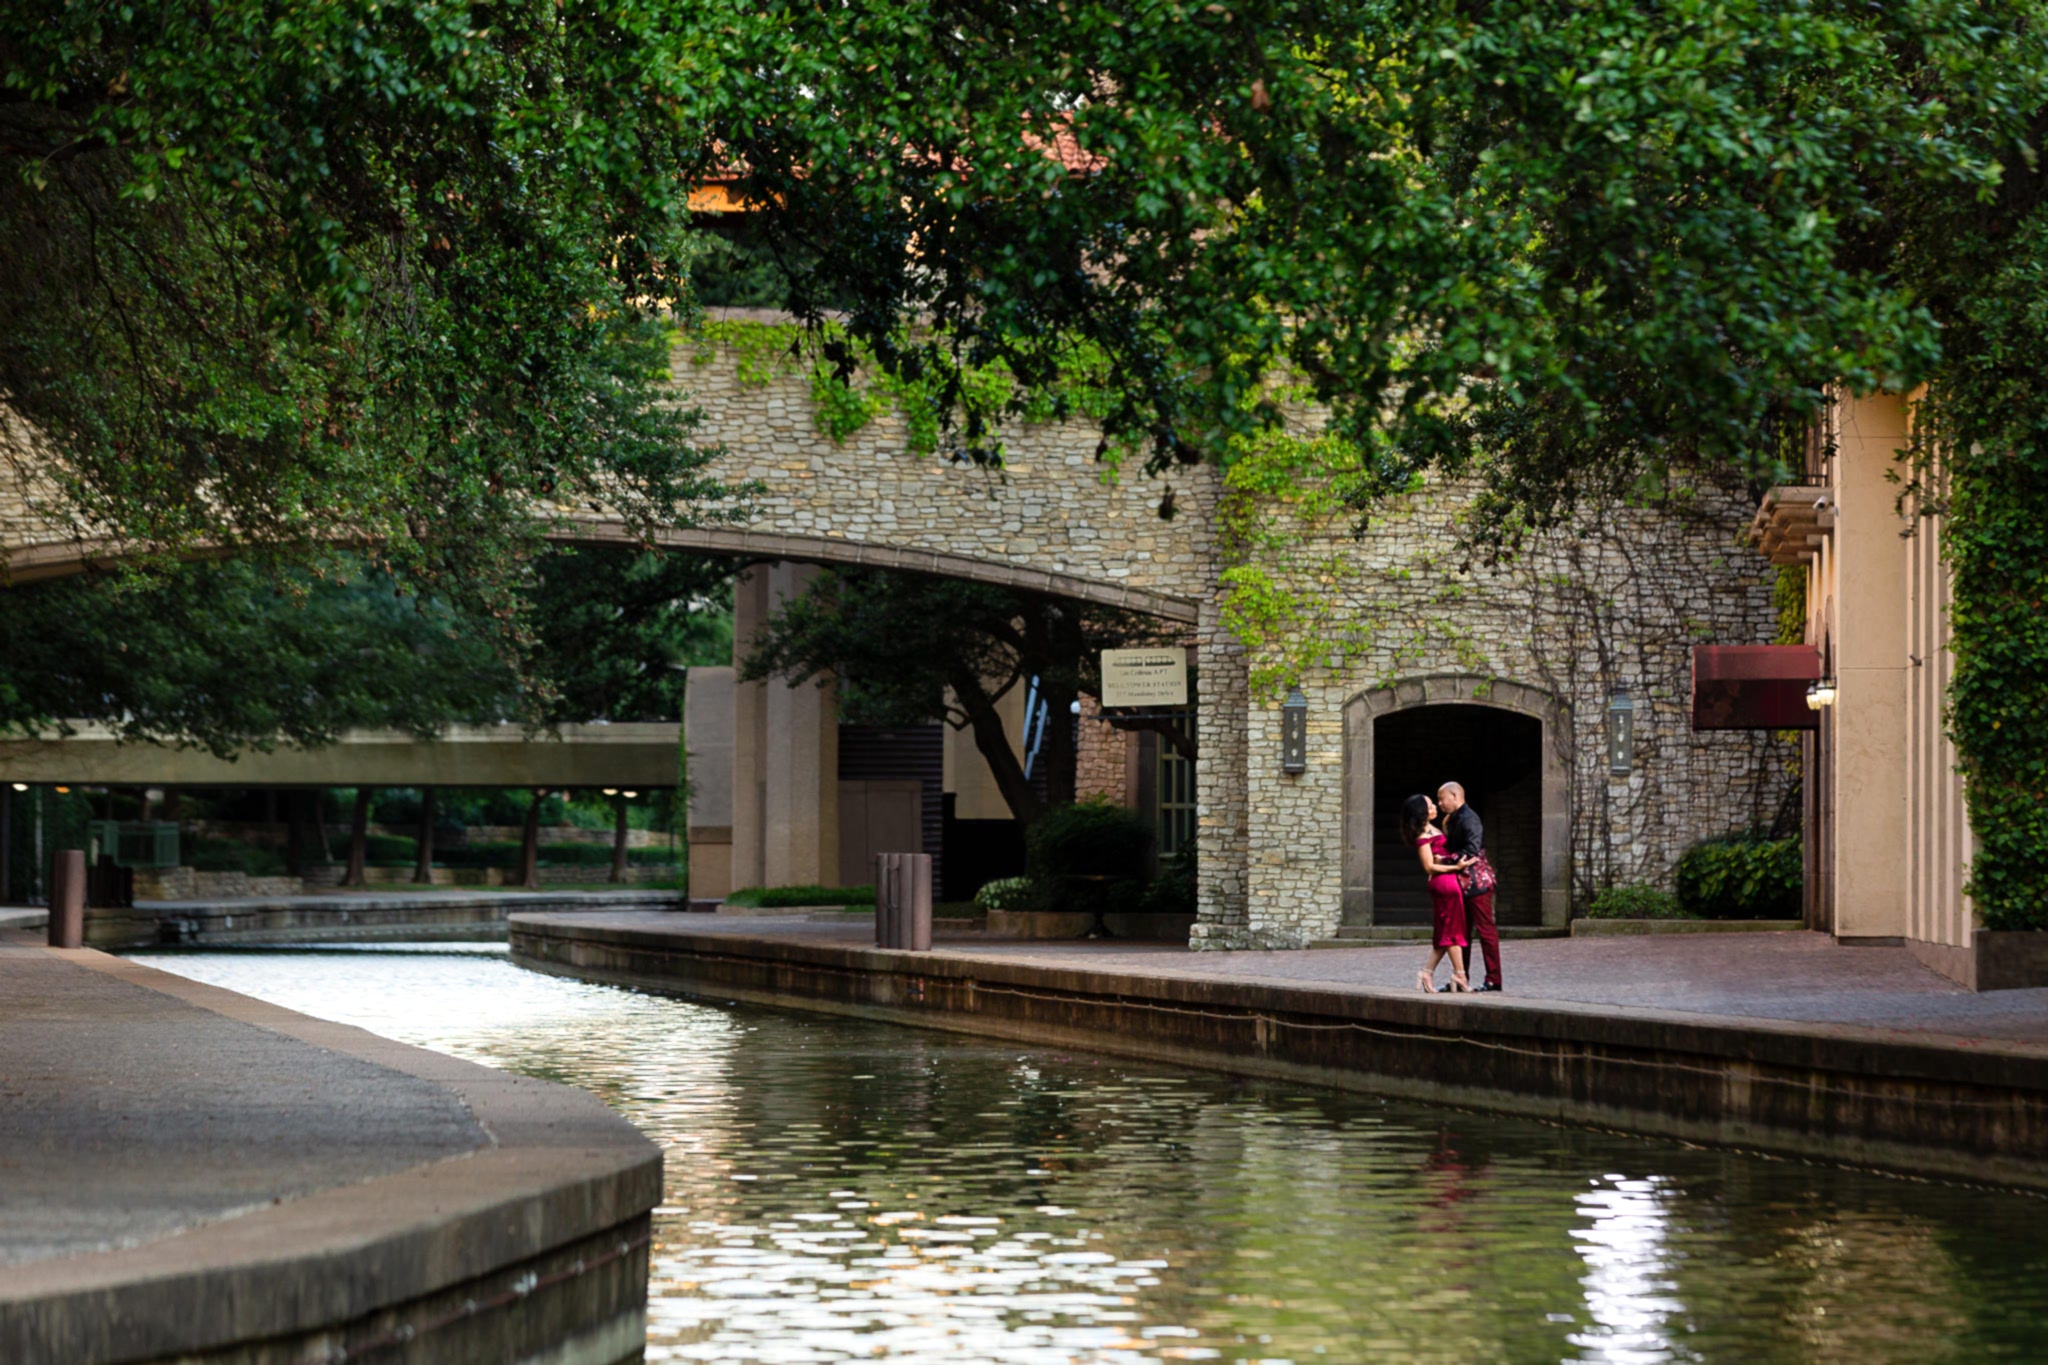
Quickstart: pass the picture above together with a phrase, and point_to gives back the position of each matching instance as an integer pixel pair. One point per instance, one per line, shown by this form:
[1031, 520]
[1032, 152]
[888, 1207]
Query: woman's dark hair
[1414, 818]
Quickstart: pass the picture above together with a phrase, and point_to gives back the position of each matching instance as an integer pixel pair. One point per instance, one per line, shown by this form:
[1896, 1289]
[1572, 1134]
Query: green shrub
[389, 850]
[1005, 893]
[1091, 839]
[1746, 876]
[1172, 892]
[1634, 902]
[229, 855]
[772, 897]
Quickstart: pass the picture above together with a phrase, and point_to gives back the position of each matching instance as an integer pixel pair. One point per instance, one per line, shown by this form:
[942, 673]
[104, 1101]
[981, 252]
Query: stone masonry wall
[1100, 756]
[1616, 603]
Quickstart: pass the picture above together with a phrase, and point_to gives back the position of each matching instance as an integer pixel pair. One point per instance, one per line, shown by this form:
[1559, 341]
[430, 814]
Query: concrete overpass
[636, 755]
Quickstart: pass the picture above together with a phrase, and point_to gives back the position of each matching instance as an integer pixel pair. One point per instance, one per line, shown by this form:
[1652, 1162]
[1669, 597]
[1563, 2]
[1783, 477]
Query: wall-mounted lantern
[1294, 732]
[1621, 732]
[1820, 693]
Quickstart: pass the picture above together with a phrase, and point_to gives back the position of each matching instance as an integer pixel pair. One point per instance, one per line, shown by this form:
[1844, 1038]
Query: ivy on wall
[849, 391]
[1986, 418]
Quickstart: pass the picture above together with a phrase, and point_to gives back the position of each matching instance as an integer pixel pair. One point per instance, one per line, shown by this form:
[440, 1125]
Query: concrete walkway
[186, 1173]
[131, 1115]
[1799, 977]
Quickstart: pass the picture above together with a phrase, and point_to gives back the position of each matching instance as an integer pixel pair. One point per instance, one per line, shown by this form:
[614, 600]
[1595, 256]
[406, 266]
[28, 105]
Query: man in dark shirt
[1465, 837]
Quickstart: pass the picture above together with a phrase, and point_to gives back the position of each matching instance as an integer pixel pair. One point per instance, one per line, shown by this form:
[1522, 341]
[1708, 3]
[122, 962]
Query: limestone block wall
[1101, 757]
[1050, 513]
[1615, 604]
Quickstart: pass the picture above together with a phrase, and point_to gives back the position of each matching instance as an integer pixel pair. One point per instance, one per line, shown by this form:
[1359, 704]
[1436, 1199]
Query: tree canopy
[910, 650]
[271, 269]
[271, 272]
[232, 655]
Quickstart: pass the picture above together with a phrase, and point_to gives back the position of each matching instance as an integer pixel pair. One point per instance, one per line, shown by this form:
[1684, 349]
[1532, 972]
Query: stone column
[785, 772]
[1222, 847]
[1866, 740]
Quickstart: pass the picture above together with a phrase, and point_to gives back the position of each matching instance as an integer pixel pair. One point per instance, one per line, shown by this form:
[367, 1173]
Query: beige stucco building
[1888, 845]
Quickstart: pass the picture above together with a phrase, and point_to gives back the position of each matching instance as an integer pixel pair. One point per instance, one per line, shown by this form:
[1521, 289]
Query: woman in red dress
[1447, 899]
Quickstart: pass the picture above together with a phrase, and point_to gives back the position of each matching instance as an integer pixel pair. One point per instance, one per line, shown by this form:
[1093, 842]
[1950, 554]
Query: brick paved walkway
[1800, 977]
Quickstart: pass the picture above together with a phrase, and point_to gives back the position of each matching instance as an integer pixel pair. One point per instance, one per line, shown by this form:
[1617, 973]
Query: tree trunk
[423, 865]
[995, 744]
[619, 839]
[529, 844]
[6, 840]
[358, 840]
[294, 834]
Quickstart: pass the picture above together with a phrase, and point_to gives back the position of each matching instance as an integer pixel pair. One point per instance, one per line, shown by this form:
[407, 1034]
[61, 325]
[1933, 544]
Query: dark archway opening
[1497, 756]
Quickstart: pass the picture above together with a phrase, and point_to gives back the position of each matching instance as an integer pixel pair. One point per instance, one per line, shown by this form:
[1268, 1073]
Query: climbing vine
[849, 391]
[1981, 457]
[1283, 497]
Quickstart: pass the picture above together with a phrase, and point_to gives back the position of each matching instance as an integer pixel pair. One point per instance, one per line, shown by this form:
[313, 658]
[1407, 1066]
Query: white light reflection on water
[1630, 1294]
[844, 1190]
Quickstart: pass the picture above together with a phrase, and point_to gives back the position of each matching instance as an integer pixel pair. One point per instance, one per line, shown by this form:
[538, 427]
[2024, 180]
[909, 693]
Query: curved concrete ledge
[1928, 1104]
[532, 1247]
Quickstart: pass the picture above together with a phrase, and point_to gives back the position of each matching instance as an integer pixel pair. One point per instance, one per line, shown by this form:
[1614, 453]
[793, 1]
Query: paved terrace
[186, 1172]
[1735, 977]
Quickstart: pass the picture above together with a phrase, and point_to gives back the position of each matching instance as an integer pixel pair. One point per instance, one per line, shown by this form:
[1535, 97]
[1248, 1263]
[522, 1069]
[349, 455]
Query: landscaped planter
[2011, 959]
[1600, 928]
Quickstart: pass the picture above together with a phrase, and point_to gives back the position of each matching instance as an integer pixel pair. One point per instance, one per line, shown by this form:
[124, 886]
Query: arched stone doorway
[1510, 746]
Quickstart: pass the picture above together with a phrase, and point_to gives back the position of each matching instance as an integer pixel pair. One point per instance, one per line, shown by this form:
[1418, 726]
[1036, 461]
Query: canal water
[843, 1190]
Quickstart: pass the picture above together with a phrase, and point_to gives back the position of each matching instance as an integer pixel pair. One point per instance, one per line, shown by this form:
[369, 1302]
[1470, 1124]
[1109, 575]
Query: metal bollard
[67, 898]
[903, 901]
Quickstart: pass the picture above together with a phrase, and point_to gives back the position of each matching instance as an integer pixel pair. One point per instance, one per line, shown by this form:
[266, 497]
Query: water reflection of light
[847, 1190]
[1629, 1293]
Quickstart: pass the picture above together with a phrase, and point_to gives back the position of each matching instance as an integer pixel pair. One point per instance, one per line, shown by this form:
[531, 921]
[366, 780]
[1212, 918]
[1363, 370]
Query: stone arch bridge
[1279, 854]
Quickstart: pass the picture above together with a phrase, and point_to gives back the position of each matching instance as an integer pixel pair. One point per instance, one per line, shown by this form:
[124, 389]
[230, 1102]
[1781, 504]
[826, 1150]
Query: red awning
[1753, 687]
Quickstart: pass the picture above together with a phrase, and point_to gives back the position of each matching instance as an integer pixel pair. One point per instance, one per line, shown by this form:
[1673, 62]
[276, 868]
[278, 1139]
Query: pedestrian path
[185, 1171]
[1797, 977]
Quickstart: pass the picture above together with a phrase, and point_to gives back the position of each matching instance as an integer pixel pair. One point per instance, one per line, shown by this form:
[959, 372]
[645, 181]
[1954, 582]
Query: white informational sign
[1144, 677]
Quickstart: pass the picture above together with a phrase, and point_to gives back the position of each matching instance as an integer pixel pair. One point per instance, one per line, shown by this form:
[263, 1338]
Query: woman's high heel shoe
[1422, 982]
[1461, 982]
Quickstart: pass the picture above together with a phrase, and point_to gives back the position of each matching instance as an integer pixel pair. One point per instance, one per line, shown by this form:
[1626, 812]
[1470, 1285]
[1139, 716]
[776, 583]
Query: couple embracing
[1460, 884]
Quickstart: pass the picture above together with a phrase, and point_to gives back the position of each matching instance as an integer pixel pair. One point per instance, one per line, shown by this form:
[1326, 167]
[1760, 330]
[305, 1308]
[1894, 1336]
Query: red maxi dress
[1446, 898]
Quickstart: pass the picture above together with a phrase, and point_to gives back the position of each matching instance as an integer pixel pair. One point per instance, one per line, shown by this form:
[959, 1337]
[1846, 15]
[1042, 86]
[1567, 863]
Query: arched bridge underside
[1047, 522]
[33, 563]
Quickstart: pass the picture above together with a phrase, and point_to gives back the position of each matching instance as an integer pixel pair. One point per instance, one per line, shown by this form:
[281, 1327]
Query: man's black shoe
[1444, 989]
[1487, 986]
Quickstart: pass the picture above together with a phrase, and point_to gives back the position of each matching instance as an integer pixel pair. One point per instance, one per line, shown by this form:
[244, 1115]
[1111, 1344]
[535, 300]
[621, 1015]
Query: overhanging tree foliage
[275, 272]
[1559, 246]
[908, 650]
[229, 656]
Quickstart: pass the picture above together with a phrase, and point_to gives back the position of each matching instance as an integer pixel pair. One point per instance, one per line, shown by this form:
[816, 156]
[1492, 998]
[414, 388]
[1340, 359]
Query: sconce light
[21, 786]
[1294, 732]
[1621, 733]
[629, 795]
[611, 791]
[1820, 693]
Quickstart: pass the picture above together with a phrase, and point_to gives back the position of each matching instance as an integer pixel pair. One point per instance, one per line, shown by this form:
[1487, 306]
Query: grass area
[783, 897]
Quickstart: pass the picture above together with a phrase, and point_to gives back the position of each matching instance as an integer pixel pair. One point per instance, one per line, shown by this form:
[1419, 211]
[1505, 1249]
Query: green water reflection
[852, 1191]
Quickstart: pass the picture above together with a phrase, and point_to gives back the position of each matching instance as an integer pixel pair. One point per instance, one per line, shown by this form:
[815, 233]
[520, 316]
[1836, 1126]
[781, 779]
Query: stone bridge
[1474, 670]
